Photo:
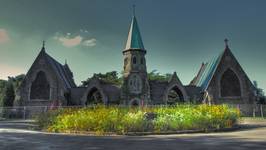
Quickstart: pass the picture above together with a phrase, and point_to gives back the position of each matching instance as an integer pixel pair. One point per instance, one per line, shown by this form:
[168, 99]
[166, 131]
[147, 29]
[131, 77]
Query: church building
[221, 80]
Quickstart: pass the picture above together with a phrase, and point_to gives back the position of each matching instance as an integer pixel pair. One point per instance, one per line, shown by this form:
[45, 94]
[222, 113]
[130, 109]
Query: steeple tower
[136, 89]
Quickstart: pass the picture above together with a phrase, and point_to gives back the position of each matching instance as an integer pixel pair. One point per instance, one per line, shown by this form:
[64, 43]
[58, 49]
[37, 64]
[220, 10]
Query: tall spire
[43, 45]
[134, 40]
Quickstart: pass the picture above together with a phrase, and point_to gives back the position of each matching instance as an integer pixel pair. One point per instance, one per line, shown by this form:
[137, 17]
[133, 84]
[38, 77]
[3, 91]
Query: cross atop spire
[43, 45]
[134, 7]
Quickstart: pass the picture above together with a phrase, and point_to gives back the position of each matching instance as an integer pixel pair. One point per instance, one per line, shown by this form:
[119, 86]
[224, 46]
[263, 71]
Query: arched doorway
[230, 84]
[94, 97]
[135, 102]
[40, 87]
[174, 96]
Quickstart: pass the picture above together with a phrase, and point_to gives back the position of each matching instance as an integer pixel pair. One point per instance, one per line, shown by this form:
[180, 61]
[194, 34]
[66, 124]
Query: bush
[121, 120]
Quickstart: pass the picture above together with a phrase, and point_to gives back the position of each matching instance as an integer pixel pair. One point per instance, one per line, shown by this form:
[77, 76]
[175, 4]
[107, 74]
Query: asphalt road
[16, 136]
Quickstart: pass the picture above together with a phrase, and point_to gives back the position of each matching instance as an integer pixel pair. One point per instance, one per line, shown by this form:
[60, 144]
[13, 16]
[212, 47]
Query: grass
[122, 120]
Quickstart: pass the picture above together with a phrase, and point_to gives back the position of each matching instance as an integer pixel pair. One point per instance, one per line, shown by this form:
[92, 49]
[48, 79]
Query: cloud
[69, 41]
[89, 42]
[3, 36]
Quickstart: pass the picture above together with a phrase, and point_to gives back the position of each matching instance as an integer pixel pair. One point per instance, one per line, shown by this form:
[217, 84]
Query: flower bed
[123, 120]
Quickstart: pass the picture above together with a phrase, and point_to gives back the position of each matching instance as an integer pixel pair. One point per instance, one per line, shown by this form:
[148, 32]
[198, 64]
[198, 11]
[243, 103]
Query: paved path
[13, 136]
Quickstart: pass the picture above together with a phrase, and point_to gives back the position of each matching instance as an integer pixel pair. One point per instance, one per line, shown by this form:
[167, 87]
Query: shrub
[103, 119]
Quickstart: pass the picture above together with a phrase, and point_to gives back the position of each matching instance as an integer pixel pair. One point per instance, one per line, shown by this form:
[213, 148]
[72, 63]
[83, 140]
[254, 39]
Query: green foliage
[110, 77]
[9, 95]
[113, 77]
[260, 95]
[195, 117]
[121, 120]
[44, 120]
[6, 89]
[17, 80]
[154, 75]
[3, 84]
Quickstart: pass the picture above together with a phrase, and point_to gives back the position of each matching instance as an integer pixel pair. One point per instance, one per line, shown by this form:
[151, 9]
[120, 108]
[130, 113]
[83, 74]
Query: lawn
[123, 120]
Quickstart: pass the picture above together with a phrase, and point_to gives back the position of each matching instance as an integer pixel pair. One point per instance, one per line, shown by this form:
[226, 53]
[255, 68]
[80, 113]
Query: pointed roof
[62, 71]
[208, 69]
[134, 40]
[174, 78]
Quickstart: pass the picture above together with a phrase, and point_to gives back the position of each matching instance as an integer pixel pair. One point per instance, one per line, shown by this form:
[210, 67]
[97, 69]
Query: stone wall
[228, 61]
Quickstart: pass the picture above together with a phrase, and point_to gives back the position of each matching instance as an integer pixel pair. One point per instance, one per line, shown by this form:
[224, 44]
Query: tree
[110, 77]
[17, 80]
[9, 95]
[114, 78]
[154, 75]
[261, 99]
[3, 84]
[6, 86]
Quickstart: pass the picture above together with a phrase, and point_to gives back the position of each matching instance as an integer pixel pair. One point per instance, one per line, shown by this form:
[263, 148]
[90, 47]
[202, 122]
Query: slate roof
[63, 71]
[134, 40]
[206, 73]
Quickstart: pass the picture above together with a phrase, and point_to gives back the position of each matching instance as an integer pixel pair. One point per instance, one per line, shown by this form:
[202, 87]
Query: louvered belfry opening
[40, 88]
[230, 84]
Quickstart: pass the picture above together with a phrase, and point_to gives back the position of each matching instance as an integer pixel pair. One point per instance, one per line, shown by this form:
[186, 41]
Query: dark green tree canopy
[261, 98]
[115, 78]
[155, 75]
[8, 88]
[110, 77]
[9, 95]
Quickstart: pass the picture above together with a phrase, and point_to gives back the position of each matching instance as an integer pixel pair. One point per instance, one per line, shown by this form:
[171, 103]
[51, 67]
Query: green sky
[178, 35]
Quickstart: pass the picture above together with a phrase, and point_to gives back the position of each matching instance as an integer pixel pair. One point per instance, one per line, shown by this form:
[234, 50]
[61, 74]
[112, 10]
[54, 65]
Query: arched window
[135, 102]
[94, 97]
[174, 96]
[134, 60]
[230, 84]
[40, 88]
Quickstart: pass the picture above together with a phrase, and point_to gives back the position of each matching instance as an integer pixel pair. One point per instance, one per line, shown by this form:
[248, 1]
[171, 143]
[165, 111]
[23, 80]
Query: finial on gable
[173, 77]
[43, 45]
[226, 43]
